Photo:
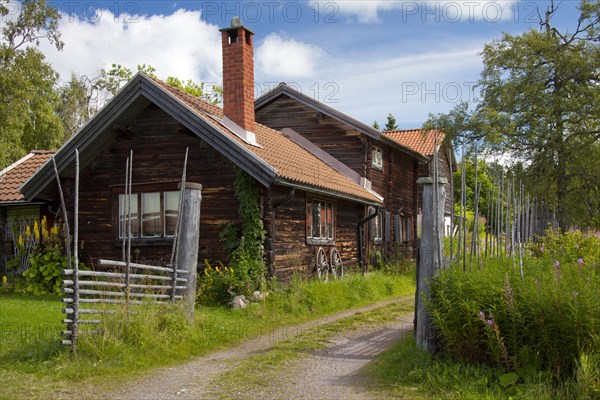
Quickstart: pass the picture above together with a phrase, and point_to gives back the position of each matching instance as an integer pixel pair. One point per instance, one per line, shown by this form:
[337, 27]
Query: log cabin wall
[396, 182]
[292, 252]
[330, 135]
[158, 145]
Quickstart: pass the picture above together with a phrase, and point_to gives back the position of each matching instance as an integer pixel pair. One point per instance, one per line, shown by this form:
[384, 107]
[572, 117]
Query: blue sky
[365, 58]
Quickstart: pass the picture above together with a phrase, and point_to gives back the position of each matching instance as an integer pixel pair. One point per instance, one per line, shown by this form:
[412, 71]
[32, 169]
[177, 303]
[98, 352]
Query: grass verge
[33, 364]
[408, 373]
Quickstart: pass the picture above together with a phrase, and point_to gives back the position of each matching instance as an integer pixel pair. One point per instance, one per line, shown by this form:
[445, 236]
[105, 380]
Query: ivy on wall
[245, 245]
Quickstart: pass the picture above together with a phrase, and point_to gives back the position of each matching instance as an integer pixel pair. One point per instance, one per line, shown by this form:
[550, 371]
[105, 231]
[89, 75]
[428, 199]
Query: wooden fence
[127, 284]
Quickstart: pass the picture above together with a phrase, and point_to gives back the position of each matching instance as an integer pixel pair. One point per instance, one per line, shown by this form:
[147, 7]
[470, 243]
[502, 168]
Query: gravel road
[326, 370]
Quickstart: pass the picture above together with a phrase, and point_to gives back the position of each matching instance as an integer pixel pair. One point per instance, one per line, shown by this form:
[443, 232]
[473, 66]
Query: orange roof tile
[418, 140]
[292, 162]
[12, 177]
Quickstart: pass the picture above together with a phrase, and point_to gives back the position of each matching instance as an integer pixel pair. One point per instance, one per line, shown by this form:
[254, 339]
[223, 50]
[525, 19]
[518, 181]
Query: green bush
[43, 248]
[218, 285]
[541, 321]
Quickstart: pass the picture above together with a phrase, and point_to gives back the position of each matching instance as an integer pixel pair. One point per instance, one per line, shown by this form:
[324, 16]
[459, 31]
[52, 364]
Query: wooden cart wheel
[337, 268]
[322, 265]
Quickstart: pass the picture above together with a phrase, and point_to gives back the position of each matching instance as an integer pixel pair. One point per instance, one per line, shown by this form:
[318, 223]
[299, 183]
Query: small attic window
[233, 36]
[248, 38]
[377, 158]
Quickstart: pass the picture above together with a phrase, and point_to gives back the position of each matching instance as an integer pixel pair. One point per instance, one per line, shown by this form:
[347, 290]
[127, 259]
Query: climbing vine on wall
[245, 245]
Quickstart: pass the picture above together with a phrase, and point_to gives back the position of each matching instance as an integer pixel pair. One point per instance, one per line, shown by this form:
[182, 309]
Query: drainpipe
[277, 205]
[360, 239]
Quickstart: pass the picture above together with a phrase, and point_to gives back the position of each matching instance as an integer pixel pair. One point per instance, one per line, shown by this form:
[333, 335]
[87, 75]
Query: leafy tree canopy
[27, 82]
[540, 106]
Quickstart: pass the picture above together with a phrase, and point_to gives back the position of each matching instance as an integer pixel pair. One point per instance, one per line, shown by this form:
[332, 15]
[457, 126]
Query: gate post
[431, 255]
[188, 242]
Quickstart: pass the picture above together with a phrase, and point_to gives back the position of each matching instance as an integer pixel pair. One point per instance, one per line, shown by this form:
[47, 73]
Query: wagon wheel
[337, 268]
[322, 265]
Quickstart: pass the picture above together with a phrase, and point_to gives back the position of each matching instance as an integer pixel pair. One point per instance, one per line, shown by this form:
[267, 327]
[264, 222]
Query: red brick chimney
[238, 74]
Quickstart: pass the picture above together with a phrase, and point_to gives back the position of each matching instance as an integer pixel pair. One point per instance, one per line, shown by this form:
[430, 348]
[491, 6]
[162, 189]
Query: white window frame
[138, 227]
[326, 226]
[377, 158]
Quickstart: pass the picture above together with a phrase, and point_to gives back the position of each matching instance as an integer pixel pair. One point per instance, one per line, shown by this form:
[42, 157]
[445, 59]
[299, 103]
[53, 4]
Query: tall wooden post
[431, 255]
[187, 245]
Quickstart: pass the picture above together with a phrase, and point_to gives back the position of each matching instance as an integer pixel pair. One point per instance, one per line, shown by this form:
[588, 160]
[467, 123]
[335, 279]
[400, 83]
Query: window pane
[309, 219]
[323, 219]
[317, 219]
[123, 215]
[151, 215]
[171, 204]
[330, 221]
[407, 229]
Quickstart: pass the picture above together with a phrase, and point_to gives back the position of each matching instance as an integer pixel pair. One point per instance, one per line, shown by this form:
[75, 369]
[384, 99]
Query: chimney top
[235, 24]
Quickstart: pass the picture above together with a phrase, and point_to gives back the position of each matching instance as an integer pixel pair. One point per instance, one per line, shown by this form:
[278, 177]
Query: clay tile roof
[13, 176]
[418, 140]
[292, 162]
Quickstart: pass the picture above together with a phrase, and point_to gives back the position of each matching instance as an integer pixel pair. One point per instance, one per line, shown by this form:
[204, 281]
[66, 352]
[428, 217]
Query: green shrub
[218, 285]
[543, 320]
[43, 248]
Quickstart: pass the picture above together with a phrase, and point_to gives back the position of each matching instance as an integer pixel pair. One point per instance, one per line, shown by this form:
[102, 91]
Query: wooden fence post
[431, 255]
[187, 245]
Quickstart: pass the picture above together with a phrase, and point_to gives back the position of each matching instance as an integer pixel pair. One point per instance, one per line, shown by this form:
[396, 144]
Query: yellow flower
[217, 269]
[4, 279]
[44, 229]
[36, 230]
[27, 231]
[21, 241]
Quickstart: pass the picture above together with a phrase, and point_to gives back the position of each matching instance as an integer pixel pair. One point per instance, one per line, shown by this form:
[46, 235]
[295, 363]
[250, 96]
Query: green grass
[33, 364]
[406, 372]
[261, 371]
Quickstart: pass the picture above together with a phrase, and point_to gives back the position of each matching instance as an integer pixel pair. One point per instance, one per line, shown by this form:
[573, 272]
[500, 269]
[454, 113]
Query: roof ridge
[17, 163]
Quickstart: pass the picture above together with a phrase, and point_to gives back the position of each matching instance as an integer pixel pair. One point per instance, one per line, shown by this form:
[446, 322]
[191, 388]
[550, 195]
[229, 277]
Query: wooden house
[424, 142]
[361, 152]
[15, 212]
[307, 203]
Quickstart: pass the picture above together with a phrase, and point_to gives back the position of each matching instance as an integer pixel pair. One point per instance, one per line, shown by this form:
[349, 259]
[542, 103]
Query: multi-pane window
[403, 228]
[153, 214]
[320, 220]
[377, 158]
[378, 227]
[407, 228]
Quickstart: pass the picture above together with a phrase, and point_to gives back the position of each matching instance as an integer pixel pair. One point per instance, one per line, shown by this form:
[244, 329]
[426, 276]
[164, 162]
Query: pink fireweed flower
[481, 315]
[580, 261]
[543, 247]
[489, 322]
[557, 264]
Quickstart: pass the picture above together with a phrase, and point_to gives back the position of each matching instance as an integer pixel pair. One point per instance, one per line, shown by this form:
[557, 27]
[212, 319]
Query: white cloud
[436, 11]
[284, 58]
[180, 45]
[410, 87]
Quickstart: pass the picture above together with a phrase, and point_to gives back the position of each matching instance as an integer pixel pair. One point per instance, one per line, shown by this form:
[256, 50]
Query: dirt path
[192, 380]
[333, 373]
